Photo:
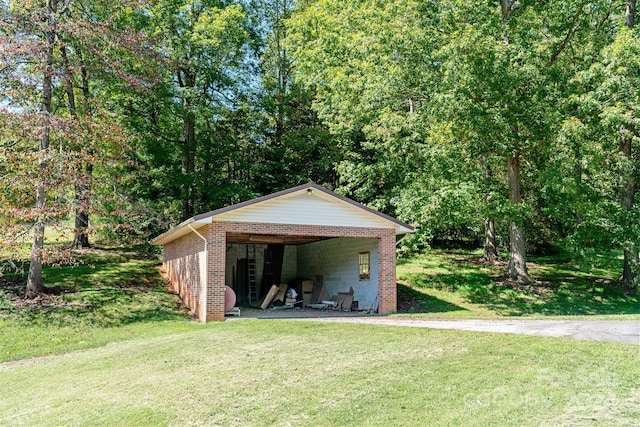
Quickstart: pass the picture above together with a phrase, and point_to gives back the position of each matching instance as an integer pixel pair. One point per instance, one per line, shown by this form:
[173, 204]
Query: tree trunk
[631, 256]
[187, 81]
[631, 262]
[577, 172]
[81, 223]
[188, 163]
[34, 279]
[490, 251]
[283, 81]
[80, 236]
[505, 7]
[630, 15]
[82, 217]
[630, 267]
[517, 267]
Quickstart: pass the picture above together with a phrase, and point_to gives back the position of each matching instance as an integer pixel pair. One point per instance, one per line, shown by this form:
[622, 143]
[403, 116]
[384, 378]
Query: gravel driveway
[625, 331]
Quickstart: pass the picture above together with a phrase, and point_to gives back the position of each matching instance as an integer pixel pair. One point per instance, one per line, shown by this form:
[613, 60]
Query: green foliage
[361, 68]
[427, 116]
[68, 142]
[411, 107]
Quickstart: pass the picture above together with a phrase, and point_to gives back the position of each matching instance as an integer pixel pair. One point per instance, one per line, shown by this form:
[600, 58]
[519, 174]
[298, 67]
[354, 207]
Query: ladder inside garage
[251, 266]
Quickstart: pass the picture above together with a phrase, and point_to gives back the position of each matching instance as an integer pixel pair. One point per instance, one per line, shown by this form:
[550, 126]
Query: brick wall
[215, 268]
[185, 263]
[387, 286]
[187, 269]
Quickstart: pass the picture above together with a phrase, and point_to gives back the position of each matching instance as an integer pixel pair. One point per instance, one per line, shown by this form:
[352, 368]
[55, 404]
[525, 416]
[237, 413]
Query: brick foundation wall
[187, 270]
[217, 237]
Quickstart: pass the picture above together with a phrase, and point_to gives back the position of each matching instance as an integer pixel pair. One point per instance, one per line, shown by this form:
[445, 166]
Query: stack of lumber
[343, 300]
[276, 298]
[315, 295]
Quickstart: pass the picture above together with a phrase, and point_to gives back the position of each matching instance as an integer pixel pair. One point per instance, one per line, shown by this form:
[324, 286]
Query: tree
[371, 84]
[606, 124]
[630, 130]
[204, 44]
[504, 77]
[21, 33]
[37, 75]
[294, 145]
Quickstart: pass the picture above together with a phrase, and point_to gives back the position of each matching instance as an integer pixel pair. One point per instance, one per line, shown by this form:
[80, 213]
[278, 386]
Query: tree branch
[65, 7]
[9, 144]
[572, 29]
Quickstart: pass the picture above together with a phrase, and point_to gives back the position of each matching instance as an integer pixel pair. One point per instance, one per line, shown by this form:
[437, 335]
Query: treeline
[513, 125]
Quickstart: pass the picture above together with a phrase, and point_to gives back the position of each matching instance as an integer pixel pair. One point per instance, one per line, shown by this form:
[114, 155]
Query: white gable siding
[306, 210]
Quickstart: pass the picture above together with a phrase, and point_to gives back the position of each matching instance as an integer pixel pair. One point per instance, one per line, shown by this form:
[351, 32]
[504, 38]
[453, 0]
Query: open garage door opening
[305, 264]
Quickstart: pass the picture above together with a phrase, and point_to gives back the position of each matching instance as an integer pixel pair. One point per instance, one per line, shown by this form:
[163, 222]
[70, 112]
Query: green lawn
[453, 284]
[113, 295]
[110, 346]
[276, 372]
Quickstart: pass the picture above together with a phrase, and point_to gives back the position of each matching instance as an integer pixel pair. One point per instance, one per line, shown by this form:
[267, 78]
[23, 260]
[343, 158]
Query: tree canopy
[513, 125]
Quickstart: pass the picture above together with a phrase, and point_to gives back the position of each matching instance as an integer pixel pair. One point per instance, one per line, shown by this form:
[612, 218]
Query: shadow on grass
[413, 301]
[94, 295]
[558, 291]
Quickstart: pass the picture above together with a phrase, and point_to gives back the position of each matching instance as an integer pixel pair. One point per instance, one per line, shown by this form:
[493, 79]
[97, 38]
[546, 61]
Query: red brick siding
[185, 264]
[387, 287]
[216, 267]
[216, 235]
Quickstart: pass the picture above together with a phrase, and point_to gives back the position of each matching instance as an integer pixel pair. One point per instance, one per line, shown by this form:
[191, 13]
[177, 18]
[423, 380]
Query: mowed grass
[455, 284]
[111, 346]
[282, 372]
[110, 296]
[114, 295]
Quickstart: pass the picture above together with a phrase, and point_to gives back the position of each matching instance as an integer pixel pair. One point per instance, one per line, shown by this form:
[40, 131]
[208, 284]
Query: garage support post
[216, 272]
[387, 291]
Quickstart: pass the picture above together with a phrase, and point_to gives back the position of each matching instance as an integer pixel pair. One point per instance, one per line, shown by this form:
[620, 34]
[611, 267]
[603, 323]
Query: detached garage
[296, 234]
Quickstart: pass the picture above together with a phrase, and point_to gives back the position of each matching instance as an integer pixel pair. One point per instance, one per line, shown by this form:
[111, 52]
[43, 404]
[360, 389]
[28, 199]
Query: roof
[250, 210]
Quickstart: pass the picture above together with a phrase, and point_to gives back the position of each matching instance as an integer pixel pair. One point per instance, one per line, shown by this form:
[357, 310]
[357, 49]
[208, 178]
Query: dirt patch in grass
[479, 261]
[13, 289]
[12, 285]
[499, 263]
[537, 287]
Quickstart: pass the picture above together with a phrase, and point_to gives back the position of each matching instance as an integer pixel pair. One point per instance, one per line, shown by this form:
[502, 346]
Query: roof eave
[178, 231]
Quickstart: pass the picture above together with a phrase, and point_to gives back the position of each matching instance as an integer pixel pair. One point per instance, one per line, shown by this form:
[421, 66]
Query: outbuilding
[304, 232]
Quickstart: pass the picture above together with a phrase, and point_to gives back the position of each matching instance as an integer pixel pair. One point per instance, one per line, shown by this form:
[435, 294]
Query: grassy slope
[261, 372]
[455, 285]
[116, 295]
[112, 296]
